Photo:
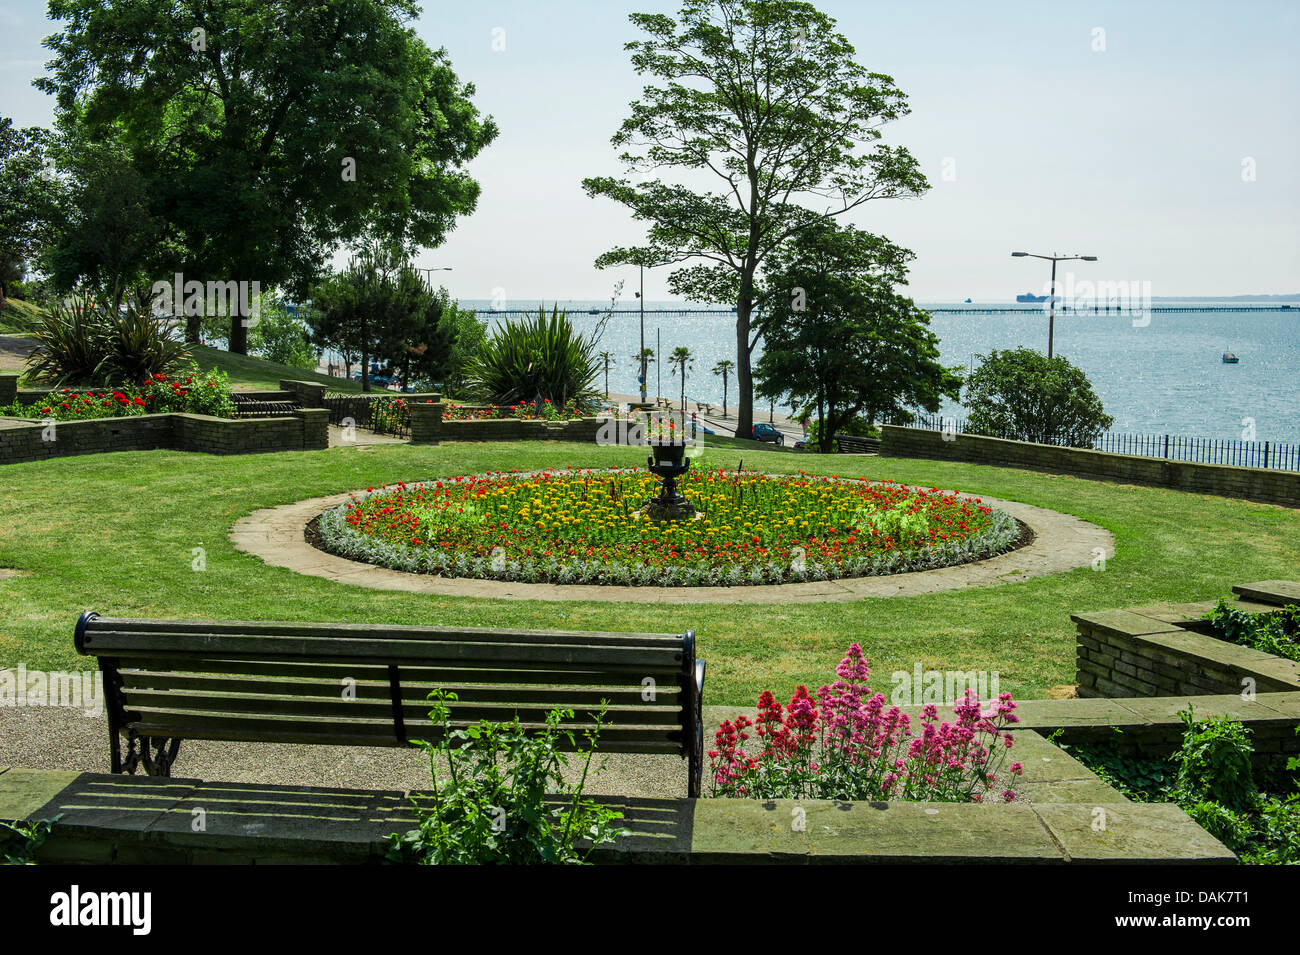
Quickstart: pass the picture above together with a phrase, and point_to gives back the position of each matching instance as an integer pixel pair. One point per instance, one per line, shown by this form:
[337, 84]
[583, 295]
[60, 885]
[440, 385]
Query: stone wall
[427, 427]
[1169, 651]
[1254, 484]
[305, 394]
[307, 429]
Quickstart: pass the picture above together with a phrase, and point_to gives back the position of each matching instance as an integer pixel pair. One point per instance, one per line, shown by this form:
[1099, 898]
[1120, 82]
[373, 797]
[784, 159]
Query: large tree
[271, 131]
[381, 310]
[106, 236]
[840, 340]
[27, 197]
[1023, 395]
[765, 96]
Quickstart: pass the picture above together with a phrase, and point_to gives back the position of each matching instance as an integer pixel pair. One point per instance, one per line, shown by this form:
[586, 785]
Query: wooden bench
[852, 444]
[345, 684]
[704, 407]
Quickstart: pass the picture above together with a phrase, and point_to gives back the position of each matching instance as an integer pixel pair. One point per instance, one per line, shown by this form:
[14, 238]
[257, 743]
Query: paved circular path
[1061, 542]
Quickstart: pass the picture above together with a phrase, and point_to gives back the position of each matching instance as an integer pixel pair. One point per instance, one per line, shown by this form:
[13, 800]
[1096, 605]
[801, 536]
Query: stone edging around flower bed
[1061, 542]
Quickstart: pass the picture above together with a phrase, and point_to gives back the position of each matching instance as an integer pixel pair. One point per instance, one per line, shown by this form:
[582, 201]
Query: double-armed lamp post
[1051, 308]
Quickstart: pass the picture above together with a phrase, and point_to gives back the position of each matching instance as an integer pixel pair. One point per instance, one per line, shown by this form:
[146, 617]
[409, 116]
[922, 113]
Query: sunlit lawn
[115, 533]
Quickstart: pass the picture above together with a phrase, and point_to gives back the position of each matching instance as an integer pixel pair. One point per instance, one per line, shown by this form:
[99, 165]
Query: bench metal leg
[155, 753]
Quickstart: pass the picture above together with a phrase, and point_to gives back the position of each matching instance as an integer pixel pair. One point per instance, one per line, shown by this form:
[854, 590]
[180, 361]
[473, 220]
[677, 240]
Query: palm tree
[608, 358]
[724, 368]
[682, 359]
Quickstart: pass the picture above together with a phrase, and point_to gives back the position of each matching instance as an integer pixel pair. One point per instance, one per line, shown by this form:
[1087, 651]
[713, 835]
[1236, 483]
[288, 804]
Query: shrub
[1211, 778]
[1025, 396]
[282, 338]
[1214, 762]
[83, 343]
[504, 800]
[1275, 633]
[195, 392]
[842, 744]
[536, 359]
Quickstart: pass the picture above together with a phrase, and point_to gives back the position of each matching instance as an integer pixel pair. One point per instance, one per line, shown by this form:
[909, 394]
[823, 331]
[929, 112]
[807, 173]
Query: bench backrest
[853, 443]
[367, 685]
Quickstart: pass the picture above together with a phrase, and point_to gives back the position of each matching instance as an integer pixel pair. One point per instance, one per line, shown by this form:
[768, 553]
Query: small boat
[1230, 359]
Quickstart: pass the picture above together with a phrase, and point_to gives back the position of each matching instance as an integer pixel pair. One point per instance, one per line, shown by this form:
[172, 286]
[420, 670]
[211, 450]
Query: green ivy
[1274, 633]
[504, 799]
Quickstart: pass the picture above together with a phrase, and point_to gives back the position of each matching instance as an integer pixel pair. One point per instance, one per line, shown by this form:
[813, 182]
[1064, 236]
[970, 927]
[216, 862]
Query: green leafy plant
[1214, 761]
[537, 359]
[1274, 633]
[80, 342]
[21, 841]
[504, 799]
[1023, 395]
[1212, 779]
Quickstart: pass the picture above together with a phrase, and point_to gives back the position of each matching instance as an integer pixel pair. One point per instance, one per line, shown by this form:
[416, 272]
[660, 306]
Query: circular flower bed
[585, 527]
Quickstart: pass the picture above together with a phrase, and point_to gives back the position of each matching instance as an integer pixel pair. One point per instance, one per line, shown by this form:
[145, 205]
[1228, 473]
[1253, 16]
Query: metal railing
[382, 414]
[253, 408]
[1172, 447]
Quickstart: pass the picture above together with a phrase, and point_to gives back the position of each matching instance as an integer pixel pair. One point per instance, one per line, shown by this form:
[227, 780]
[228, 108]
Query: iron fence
[1173, 447]
[382, 414]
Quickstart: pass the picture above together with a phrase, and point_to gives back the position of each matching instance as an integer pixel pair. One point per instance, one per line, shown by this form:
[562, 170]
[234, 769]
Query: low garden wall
[1269, 486]
[1169, 650]
[428, 427]
[306, 429]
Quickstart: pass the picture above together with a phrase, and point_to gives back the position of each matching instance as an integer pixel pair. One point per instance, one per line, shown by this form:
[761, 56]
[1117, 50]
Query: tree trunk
[238, 334]
[744, 380]
[193, 324]
[724, 394]
[365, 354]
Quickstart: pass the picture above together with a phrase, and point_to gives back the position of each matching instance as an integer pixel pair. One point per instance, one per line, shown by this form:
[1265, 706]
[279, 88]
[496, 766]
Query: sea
[1160, 372]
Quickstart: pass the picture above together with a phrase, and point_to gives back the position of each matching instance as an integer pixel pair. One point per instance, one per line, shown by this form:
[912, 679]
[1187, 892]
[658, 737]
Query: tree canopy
[1023, 395]
[839, 339]
[27, 197]
[269, 132]
[764, 96]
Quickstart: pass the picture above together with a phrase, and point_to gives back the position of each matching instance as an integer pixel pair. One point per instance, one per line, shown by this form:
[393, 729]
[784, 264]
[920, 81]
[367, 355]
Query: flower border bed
[333, 535]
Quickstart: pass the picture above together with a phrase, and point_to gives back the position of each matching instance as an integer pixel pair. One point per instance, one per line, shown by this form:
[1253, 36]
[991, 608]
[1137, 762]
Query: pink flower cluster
[844, 743]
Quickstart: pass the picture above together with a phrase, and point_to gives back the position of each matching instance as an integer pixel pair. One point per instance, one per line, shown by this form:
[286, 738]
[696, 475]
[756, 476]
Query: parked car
[768, 433]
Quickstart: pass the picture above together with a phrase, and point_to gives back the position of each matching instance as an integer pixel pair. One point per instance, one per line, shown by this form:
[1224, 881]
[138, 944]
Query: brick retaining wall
[427, 427]
[1169, 651]
[1269, 486]
[307, 429]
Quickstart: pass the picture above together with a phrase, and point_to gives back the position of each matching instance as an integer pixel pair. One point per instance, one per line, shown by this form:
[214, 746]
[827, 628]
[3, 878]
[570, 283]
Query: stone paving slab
[1131, 833]
[1061, 543]
[1274, 592]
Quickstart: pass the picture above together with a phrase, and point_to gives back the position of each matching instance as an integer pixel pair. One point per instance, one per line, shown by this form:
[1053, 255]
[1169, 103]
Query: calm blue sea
[1164, 377]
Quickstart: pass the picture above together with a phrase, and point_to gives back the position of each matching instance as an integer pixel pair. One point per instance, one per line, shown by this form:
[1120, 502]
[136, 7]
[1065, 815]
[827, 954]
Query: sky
[1159, 136]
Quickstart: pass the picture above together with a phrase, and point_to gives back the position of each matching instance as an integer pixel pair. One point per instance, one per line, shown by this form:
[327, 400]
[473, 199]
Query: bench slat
[363, 733]
[122, 643]
[664, 696]
[352, 631]
[348, 711]
[361, 670]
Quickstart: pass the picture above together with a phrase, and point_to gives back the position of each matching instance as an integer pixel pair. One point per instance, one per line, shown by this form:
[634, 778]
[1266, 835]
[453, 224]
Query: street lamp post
[1051, 308]
[428, 274]
[641, 298]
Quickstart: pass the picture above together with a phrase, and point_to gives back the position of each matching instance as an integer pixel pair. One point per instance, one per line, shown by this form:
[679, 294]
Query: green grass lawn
[257, 374]
[115, 533]
[18, 317]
